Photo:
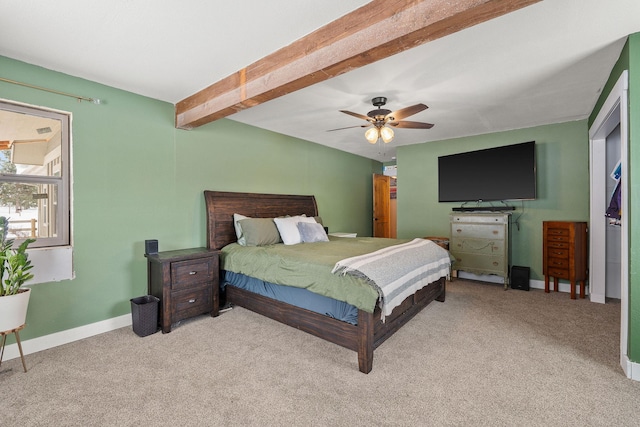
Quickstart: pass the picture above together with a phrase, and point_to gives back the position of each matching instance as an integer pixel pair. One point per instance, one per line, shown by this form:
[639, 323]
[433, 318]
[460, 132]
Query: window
[34, 174]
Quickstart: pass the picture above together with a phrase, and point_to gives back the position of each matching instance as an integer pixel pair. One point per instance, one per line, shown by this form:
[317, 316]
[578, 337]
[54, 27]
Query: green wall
[136, 177]
[634, 197]
[630, 60]
[562, 155]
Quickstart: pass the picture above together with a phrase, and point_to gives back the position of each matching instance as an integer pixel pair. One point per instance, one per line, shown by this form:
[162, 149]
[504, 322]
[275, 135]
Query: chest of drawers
[480, 243]
[186, 282]
[564, 254]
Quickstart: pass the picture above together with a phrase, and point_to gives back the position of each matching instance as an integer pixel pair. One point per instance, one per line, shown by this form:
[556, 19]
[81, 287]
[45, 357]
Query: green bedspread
[309, 265]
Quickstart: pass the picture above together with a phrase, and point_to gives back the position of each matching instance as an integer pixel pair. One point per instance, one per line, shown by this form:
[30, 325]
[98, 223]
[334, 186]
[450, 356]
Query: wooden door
[381, 210]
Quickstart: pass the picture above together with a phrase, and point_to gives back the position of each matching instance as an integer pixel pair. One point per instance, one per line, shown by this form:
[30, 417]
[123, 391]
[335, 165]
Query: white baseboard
[631, 369]
[64, 337]
[534, 284]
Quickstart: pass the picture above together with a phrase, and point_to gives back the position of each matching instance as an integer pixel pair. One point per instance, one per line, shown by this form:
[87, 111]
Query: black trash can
[144, 313]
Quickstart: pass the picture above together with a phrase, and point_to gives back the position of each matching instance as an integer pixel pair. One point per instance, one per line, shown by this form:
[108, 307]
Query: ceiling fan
[382, 118]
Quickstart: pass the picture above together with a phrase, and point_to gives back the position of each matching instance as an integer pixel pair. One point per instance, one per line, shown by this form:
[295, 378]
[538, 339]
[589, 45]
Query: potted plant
[14, 272]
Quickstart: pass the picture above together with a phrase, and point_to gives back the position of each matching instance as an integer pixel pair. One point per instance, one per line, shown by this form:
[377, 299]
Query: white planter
[13, 310]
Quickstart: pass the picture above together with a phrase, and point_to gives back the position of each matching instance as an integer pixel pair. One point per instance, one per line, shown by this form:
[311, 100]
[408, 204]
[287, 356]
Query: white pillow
[236, 224]
[288, 228]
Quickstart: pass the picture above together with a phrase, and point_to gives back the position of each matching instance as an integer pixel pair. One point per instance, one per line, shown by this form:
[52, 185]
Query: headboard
[221, 205]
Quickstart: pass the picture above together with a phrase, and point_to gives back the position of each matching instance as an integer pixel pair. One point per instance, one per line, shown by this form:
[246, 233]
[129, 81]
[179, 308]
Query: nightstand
[186, 282]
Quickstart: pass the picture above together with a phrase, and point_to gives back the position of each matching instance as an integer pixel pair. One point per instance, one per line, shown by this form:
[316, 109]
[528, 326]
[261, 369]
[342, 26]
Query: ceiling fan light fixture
[372, 135]
[387, 134]
[381, 117]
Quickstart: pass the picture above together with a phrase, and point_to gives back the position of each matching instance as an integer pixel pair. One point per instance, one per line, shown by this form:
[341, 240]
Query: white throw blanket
[398, 271]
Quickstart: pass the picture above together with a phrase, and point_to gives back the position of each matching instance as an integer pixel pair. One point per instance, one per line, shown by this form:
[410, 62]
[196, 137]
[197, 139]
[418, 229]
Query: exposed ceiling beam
[375, 31]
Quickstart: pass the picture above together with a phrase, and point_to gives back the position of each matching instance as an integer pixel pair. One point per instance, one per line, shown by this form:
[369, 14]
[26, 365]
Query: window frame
[62, 183]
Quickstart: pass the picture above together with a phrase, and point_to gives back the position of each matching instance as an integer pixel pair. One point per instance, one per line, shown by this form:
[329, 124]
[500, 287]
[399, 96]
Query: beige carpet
[484, 357]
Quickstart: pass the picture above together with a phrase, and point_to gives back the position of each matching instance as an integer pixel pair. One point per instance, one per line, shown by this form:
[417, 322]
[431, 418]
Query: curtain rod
[96, 101]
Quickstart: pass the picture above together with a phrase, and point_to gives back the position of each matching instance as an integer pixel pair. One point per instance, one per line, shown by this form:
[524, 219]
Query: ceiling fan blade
[406, 112]
[360, 116]
[411, 125]
[350, 127]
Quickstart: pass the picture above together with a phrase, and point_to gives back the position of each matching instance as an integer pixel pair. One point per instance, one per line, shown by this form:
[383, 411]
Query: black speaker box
[150, 247]
[520, 278]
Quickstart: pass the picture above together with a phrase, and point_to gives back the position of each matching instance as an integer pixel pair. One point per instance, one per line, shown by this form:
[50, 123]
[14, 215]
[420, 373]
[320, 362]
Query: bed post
[442, 296]
[365, 341]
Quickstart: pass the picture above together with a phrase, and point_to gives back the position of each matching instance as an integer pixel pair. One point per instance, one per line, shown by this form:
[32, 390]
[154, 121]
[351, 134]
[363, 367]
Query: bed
[372, 327]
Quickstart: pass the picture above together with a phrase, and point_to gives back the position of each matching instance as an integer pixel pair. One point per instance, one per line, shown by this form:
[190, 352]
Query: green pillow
[260, 231]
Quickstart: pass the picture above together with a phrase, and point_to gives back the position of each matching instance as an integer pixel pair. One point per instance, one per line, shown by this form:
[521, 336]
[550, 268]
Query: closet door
[381, 210]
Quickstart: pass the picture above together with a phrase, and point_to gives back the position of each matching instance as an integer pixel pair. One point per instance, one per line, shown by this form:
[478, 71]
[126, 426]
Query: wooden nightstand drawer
[190, 302]
[187, 273]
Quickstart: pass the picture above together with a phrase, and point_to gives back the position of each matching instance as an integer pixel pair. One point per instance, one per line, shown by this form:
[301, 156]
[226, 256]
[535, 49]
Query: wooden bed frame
[364, 337]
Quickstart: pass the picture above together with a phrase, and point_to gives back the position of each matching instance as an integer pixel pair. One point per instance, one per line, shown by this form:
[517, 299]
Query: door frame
[613, 112]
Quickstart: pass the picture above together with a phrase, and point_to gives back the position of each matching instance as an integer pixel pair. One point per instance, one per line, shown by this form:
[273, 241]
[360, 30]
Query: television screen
[493, 174]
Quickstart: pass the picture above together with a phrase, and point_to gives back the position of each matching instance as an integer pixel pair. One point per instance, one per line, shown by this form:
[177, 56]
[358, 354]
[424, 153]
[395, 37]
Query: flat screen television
[494, 174]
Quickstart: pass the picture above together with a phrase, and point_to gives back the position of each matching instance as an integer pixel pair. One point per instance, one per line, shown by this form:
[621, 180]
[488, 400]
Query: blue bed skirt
[295, 296]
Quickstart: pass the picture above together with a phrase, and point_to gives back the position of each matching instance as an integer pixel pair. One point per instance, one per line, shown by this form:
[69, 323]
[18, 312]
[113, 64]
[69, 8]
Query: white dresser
[480, 243]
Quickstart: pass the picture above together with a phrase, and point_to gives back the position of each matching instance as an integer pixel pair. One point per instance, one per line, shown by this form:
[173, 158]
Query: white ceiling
[543, 64]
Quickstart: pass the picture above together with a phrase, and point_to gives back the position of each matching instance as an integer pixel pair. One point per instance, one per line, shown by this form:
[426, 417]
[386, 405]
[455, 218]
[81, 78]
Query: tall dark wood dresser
[565, 254]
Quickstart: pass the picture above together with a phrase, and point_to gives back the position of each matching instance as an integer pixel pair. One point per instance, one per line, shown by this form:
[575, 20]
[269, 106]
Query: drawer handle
[495, 231]
[192, 300]
[193, 273]
[495, 263]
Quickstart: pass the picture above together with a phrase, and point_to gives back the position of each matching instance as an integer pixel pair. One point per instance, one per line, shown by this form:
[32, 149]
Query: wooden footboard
[362, 338]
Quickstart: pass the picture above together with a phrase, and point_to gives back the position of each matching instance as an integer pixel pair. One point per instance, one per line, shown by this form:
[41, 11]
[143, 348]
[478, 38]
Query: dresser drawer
[482, 264]
[191, 302]
[558, 231]
[559, 273]
[479, 218]
[478, 246]
[187, 273]
[559, 245]
[558, 238]
[479, 231]
[558, 263]
[553, 252]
